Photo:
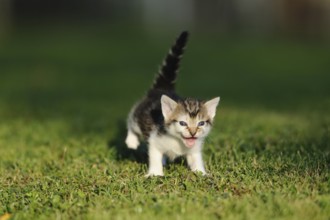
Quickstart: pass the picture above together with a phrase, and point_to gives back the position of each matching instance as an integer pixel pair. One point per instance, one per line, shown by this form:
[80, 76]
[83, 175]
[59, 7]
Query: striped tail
[165, 79]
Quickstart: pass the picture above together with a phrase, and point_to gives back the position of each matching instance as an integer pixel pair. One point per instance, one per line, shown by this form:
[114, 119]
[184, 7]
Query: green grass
[63, 101]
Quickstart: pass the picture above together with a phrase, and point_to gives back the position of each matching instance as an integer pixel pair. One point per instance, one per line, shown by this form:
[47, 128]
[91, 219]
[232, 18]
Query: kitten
[172, 126]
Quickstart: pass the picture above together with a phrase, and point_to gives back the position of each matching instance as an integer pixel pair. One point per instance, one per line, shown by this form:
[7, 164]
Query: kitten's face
[189, 120]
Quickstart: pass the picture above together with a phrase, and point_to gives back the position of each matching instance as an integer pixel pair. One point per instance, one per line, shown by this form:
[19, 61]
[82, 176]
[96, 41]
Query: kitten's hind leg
[132, 140]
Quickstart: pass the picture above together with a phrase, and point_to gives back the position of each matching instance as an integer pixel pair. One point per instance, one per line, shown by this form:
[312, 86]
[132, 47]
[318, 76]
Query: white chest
[172, 146]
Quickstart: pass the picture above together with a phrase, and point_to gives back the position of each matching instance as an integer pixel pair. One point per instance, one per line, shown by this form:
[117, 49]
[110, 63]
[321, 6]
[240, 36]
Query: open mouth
[189, 142]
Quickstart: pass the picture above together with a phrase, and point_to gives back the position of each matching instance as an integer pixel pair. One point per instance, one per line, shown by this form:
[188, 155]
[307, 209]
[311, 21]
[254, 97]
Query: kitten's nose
[192, 131]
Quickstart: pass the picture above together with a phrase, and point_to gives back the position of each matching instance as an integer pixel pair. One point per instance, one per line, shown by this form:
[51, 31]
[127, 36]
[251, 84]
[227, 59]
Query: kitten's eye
[182, 123]
[201, 123]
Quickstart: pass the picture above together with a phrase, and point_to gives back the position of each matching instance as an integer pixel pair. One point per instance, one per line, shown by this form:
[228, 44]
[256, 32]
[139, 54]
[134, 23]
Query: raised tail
[165, 79]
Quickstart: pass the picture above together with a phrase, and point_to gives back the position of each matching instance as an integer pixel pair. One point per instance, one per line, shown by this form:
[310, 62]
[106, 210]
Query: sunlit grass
[62, 130]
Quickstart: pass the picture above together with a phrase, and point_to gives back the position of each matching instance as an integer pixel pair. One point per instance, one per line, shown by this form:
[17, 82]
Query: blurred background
[92, 59]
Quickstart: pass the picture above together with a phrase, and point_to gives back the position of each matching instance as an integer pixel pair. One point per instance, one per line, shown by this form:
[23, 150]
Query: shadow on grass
[122, 151]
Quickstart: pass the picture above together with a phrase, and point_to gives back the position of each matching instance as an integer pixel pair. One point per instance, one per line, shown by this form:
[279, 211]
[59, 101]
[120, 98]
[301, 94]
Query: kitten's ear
[211, 106]
[168, 106]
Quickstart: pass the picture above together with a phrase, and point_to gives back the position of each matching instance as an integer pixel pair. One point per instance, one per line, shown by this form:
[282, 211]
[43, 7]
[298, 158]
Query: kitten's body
[171, 125]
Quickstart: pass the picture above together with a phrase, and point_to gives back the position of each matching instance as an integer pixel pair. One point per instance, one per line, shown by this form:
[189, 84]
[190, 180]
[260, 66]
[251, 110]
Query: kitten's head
[190, 120]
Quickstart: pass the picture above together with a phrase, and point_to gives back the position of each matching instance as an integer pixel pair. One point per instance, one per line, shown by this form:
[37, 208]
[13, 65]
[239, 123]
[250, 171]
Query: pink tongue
[190, 142]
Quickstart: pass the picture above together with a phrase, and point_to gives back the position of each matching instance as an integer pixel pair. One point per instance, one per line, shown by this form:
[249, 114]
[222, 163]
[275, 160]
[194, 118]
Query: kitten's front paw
[200, 171]
[151, 174]
[203, 173]
[132, 142]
